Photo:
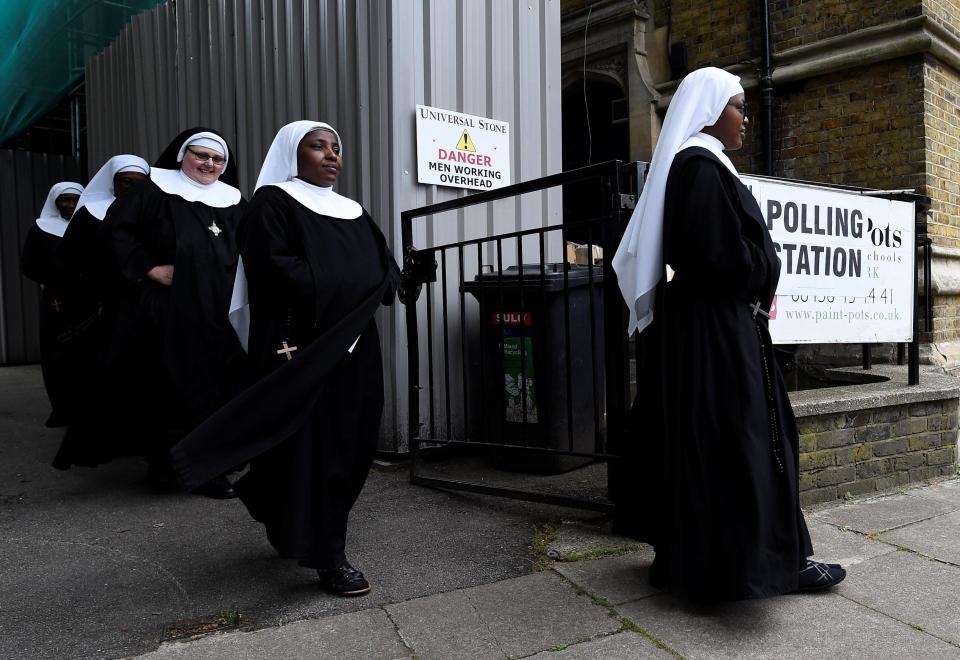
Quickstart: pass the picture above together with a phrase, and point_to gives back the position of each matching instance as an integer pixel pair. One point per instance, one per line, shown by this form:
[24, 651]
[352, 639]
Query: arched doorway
[595, 130]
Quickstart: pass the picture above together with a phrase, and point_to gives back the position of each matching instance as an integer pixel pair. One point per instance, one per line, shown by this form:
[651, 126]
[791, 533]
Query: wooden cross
[56, 305]
[214, 229]
[287, 350]
[757, 310]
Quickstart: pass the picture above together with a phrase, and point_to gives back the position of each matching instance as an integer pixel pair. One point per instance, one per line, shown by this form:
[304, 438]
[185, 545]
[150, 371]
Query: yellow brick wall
[942, 128]
[862, 130]
[716, 33]
[798, 22]
[944, 12]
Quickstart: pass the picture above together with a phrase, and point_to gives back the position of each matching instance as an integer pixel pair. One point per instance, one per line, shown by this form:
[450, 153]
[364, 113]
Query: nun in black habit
[713, 452]
[317, 268]
[174, 241]
[91, 283]
[40, 263]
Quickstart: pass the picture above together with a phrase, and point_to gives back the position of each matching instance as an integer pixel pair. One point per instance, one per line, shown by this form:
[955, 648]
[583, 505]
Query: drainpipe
[766, 88]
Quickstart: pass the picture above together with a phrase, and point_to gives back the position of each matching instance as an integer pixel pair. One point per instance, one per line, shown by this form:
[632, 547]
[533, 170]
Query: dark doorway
[595, 130]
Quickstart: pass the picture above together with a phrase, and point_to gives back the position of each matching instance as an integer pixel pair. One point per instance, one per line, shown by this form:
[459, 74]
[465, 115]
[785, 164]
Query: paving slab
[832, 544]
[622, 646]
[918, 591]
[798, 626]
[515, 617]
[367, 634]
[938, 537]
[615, 579]
[948, 491]
[578, 539]
[95, 565]
[882, 514]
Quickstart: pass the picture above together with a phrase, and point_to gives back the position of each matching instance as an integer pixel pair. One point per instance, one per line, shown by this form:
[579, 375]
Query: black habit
[309, 426]
[92, 285]
[61, 323]
[714, 452]
[172, 358]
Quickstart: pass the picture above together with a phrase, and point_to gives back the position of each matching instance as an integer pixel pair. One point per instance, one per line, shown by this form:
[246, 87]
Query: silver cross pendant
[214, 229]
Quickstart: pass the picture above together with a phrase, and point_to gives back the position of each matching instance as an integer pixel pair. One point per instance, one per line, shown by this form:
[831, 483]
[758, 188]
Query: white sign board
[463, 151]
[847, 264]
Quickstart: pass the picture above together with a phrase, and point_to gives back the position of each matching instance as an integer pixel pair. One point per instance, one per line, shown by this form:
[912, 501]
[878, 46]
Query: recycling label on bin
[518, 385]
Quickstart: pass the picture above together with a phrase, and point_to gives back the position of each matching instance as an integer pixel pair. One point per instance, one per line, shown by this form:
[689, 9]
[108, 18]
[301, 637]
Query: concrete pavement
[93, 565]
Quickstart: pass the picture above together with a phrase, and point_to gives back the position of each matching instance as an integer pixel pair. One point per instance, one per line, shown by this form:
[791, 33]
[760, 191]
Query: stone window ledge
[934, 386]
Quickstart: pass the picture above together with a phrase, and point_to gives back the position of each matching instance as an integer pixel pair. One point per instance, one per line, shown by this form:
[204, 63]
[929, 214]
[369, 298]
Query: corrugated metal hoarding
[25, 179]
[248, 67]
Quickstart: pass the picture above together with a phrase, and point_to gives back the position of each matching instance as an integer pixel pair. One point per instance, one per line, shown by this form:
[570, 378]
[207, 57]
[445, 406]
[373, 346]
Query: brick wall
[716, 33]
[944, 12]
[946, 315]
[942, 130]
[863, 130]
[798, 22]
[876, 450]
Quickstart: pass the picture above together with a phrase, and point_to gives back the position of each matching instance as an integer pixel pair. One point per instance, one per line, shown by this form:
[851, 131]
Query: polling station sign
[847, 263]
[462, 151]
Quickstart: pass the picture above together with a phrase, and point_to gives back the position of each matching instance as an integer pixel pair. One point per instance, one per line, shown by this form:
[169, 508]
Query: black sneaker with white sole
[344, 580]
[816, 576]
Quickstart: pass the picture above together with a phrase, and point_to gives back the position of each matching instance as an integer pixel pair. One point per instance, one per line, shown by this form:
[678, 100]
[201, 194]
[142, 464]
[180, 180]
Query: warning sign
[460, 150]
[465, 143]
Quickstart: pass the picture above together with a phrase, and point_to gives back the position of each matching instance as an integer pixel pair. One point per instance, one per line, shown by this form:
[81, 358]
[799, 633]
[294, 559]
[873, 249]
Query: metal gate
[515, 351]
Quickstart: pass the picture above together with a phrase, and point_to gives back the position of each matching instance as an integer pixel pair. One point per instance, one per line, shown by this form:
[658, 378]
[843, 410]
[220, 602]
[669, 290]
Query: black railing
[537, 369]
[536, 365]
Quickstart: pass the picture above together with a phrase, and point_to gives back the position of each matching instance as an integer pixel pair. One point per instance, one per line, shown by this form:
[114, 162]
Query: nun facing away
[91, 289]
[39, 263]
[174, 241]
[715, 445]
[317, 268]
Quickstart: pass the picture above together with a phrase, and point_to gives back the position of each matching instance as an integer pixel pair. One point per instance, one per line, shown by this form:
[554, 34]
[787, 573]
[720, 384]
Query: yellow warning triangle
[465, 143]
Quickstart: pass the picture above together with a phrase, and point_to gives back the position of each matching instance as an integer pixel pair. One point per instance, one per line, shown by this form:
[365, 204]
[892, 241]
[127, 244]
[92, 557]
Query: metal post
[921, 206]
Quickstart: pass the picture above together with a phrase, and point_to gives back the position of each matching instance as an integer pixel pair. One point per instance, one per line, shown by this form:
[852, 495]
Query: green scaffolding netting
[44, 45]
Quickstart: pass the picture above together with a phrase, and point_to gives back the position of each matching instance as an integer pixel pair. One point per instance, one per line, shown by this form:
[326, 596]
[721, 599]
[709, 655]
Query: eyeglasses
[203, 158]
[740, 107]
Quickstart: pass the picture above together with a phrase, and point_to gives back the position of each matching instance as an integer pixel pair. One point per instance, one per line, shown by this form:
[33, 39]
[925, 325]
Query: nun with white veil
[316, 270]
[712, 455]
[173, 240]
[92, 291]
[82, 254]
[40, 263]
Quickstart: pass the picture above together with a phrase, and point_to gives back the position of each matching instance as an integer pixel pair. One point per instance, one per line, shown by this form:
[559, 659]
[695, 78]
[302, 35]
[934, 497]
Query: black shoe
[817, 576]
[56, 420]
[218, 488]
[657, 575]
[344, 580]
[160, 475]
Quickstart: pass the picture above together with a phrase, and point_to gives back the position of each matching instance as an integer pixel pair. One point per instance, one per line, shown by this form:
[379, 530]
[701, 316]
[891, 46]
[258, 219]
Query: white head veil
[49, 219]
[98, 195]
[206, 139]
[280, 169]
[698, 102]
[174, 182]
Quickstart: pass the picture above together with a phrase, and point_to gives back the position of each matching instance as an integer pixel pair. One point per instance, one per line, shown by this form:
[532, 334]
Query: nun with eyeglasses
[709, 472]
[39, 263]
[173, 240]
[317, 268]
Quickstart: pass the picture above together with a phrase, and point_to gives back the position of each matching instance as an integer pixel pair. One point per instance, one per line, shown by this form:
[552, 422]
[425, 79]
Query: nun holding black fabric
[714, 452]
[174, 240]
[317, 268]
[39, 262]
